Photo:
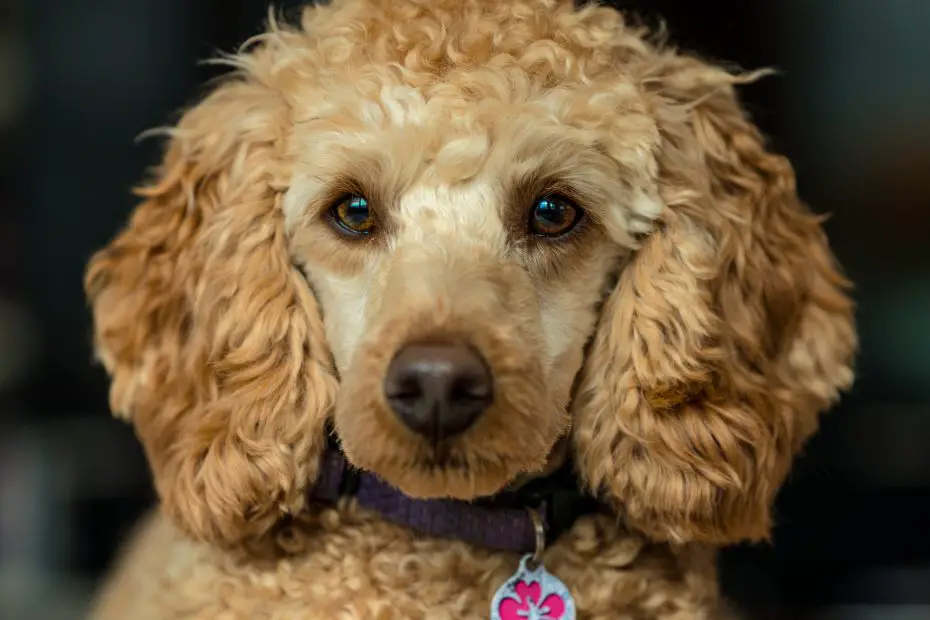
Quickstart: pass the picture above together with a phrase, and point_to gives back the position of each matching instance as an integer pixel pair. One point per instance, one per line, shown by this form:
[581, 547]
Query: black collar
[504, 522]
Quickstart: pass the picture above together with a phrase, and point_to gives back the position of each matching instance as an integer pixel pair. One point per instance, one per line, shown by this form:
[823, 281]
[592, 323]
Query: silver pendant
[533, 594]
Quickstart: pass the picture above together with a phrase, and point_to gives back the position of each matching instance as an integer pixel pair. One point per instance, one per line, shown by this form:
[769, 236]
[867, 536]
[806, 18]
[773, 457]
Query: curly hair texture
[724, 338]
[347, 565]
[215, 346]
[681, 340]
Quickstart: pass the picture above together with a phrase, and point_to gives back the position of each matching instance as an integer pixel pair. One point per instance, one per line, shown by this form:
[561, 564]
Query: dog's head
[464, 232]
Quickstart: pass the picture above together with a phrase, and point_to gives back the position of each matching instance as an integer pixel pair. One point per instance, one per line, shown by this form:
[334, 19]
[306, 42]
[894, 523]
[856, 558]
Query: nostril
[406, 388]
[470, 388]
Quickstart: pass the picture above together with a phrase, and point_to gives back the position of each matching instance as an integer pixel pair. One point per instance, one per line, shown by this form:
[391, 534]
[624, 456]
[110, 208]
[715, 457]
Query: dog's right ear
[214, 343]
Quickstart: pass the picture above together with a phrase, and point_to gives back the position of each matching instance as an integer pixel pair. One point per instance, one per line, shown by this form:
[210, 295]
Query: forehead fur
[410, 92]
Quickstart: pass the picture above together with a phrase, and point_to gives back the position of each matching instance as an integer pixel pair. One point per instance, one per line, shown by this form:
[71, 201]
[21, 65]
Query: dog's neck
[504, 522]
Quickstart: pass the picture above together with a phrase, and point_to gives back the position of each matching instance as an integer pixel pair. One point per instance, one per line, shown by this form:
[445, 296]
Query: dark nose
[438, 389]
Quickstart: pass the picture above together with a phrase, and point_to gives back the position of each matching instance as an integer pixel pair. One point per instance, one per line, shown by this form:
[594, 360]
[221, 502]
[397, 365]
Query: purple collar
[504, 522]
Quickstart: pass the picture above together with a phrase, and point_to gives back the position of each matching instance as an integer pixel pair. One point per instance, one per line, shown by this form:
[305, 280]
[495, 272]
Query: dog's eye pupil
[553, 216]
[353, 215]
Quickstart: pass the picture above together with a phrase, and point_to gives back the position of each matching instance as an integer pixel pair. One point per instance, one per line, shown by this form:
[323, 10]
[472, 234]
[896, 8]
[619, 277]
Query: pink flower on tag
[529, 606]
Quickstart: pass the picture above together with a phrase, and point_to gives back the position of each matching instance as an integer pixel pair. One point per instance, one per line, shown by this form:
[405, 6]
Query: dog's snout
[438, 389]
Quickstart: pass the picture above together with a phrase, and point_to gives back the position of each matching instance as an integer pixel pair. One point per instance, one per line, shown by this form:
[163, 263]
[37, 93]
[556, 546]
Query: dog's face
[466, 233]
[460, 239]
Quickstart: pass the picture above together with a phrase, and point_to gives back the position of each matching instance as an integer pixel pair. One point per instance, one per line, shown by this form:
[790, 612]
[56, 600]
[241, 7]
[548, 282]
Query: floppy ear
[726, 335]
[215, 345]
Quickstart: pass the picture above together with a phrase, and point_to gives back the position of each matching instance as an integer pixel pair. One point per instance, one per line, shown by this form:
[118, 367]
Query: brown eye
[553, 216]
[352, 215]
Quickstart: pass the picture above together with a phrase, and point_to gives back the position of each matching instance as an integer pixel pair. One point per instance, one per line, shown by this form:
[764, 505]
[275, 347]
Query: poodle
[462, 309]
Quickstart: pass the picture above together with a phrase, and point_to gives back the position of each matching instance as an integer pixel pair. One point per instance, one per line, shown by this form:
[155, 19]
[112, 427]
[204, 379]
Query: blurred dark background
[80, 79]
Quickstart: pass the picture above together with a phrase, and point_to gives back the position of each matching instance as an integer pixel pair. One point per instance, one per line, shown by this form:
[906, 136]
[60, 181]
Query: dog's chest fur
[348, 564]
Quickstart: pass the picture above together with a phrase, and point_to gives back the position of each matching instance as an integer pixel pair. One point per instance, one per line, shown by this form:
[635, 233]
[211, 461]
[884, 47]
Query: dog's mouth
[441, 457]
[446, 462]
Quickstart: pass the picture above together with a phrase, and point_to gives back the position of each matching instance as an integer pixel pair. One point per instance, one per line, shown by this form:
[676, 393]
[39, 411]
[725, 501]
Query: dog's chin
[451, 474]
[429, 482]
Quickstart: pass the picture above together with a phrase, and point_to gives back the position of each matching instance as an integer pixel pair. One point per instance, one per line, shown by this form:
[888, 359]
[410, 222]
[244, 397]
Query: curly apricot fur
[726, 336]
[685, 339]
[215, 346]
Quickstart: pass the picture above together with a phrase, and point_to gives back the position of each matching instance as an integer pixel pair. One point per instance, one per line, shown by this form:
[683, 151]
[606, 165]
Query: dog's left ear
[727, 334]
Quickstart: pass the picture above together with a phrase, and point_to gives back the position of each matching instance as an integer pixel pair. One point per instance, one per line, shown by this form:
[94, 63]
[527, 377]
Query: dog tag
[533, 594]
